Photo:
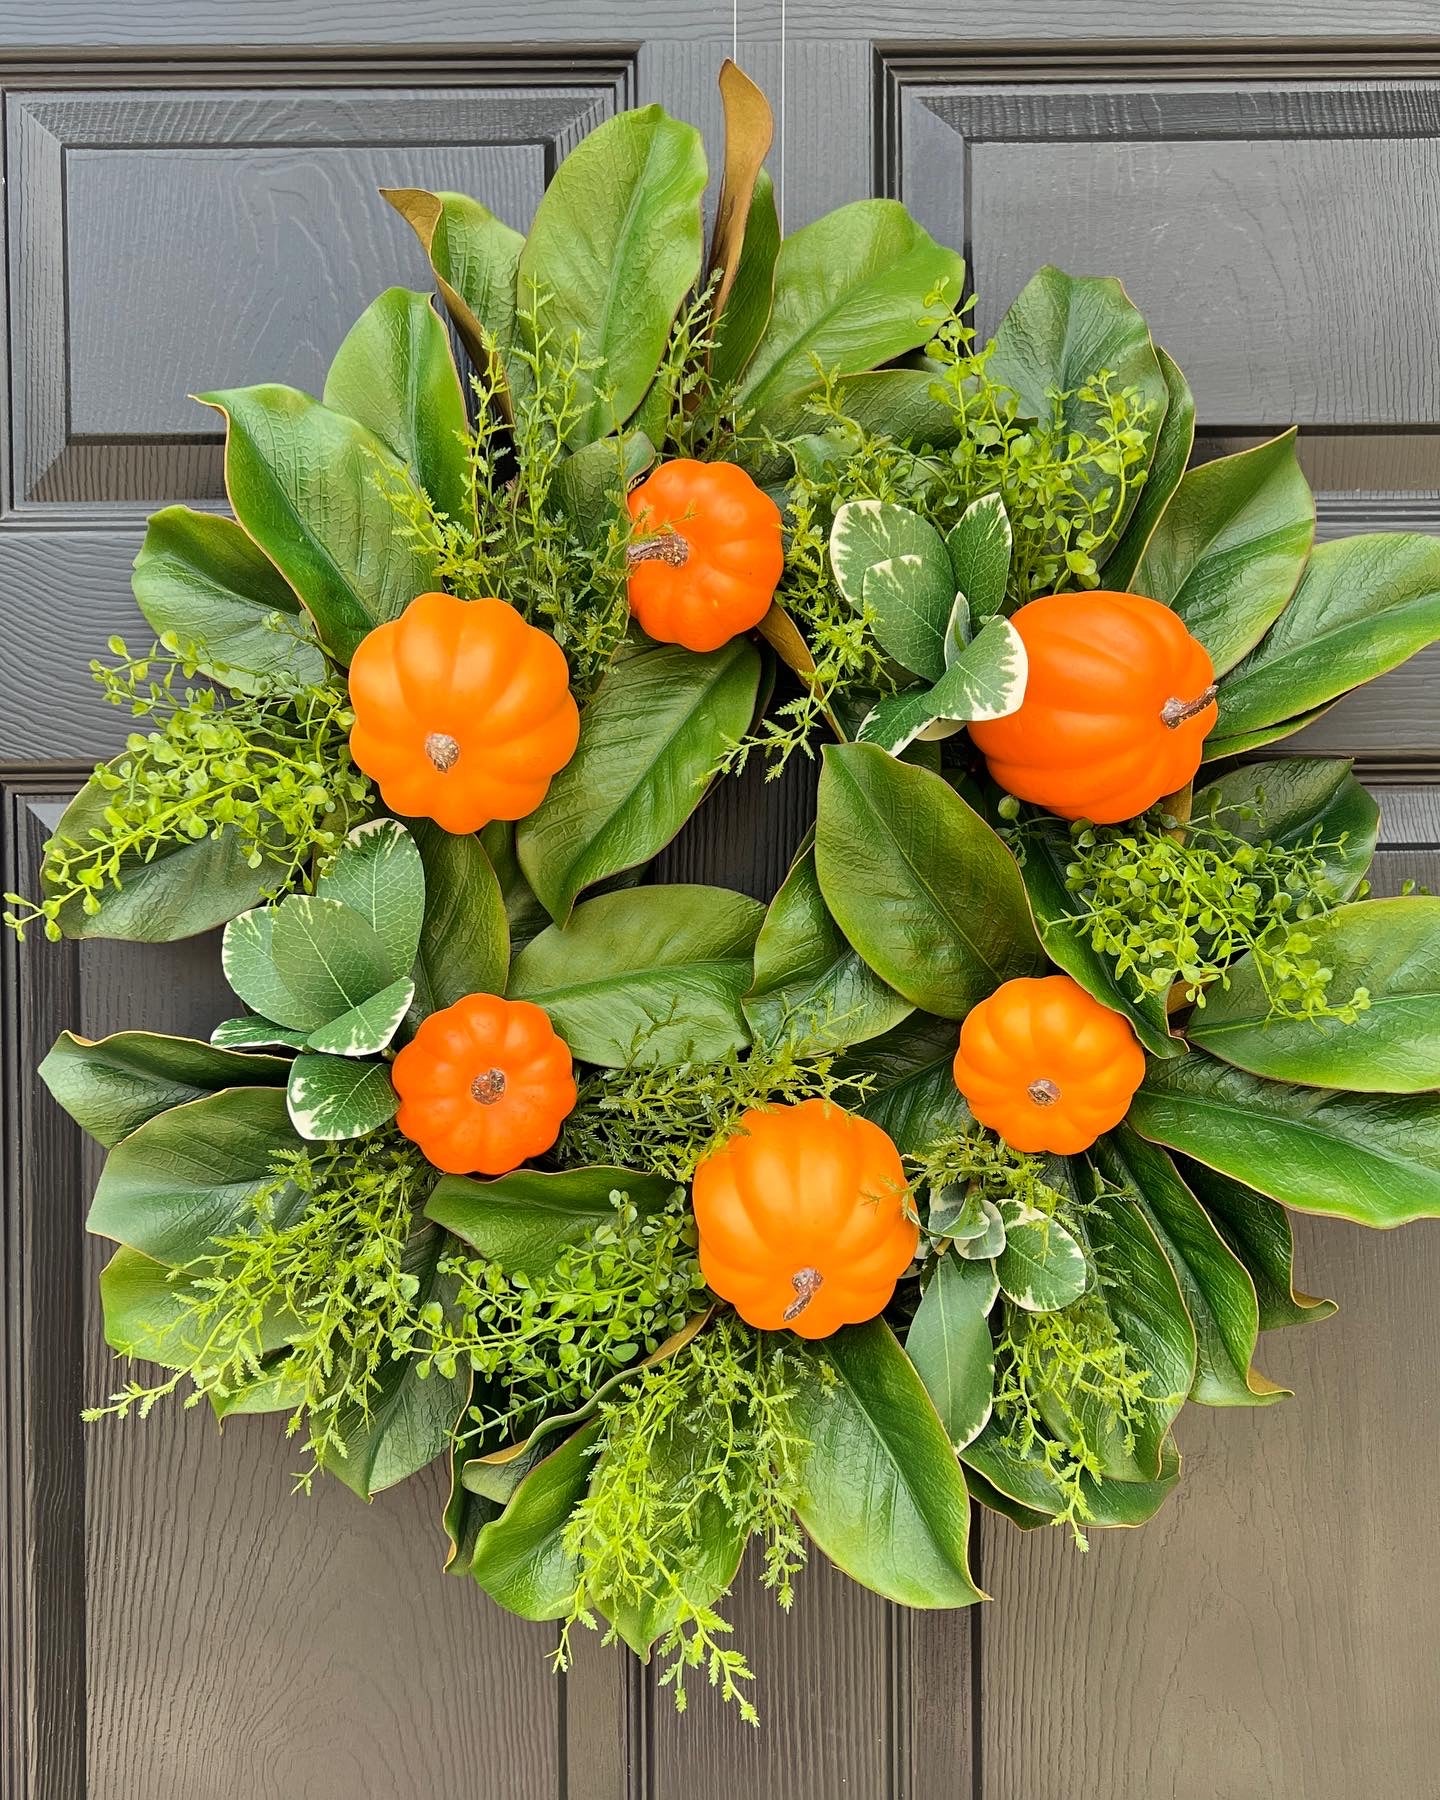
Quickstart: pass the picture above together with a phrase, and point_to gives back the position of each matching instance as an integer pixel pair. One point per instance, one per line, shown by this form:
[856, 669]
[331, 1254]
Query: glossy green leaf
[1364, 605]
[894, 563]
[1219, 1294]
[1258, 1230]
[148, 1311]
[906, 405]
[332, 1098]
[368, 1027]
[1048, 850]
[394, 374]
[190, 1175]
[328, 957]
[1016, 1480]
[747, 310]
[1168, 463]
[919, 884]
[525, 1220]
[851, 292]
[410, 1418]
[910, 1073]
[1041, 1267]
[464, 943]
[646, 976]
[524, 912]
[378, 873]
[185, 888]
[1230, 547]
[652, 733]
[112, 1085]
[979, 546]
[811, 989]
[475, 257]
[986, 680]
[879, 1488]
[302, 480]
[616, 245]
[1367, 1157]
[1312, 803]
[520, 1559]
[590, 484]
[466, 1514]
[1389, 948]
[201, 583]
[950, 1345]
[1057, 338]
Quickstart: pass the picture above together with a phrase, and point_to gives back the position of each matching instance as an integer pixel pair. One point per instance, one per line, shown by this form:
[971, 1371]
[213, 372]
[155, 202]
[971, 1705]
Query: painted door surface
[190, 203]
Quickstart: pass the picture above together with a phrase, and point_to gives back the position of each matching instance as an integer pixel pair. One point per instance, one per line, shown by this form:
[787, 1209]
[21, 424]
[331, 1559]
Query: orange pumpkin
[802, 1219]
[707, 553]
[483, 1084]
[463, 712]
[1047, 1067]
[1117, 704]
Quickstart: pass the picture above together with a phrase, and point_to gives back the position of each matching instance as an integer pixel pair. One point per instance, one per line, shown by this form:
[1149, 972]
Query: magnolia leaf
[749, 128]
[651, 736]
[1364, 605]
[366, 1028]
[910, 1090]
[203, 585]
[394, 374]
[1243, 742]
[407, 1419]
[1307, 803]
[1258, 1230]
[524, 1221]
[950, 1344]
[525, 915]
[979, 546]
[251, 1032]
[332, 1097]
[615, 247]
[1022, 1481]
[917, 881]
[1373, 1158]
[464, 943]
[590, 485]
[192, 1174]
[475, 257]
[304, 482]
[747, 310]
[1041, 1267]
[653, 975]
[377, 872]
[520, 1559]
[878, 1485]
[1167, 466]
[1229, 547]
[811, 990]
[149, 1312]
[986, 680]
[892, 562]
[112, 1085]
[1390, 949]
[853, 290]
[1219, 1294]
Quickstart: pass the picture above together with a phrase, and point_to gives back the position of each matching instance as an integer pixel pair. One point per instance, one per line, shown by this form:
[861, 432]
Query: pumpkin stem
[1043, 1093]
[443, 751]
[1175, 712]
[806, 1283]
[488, 1086]
[666, 546]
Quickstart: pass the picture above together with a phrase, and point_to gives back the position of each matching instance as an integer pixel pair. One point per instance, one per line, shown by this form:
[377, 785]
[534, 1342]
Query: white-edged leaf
[980, 1241]
[1042, 1267]
[950, 1344]
[368, 1027]
[377, 872]
[985, 681]
[890, 559]
[979, 546]
[332, 1097]
[254, 1033]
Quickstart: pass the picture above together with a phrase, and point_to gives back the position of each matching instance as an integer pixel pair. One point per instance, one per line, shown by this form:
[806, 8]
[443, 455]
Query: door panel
[189, 202]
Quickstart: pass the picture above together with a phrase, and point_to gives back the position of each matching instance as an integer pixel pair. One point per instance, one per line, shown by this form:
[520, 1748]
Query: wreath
[673, 1218]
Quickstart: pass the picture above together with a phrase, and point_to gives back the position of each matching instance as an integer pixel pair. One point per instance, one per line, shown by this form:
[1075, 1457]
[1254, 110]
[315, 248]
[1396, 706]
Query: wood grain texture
[1271, 1634]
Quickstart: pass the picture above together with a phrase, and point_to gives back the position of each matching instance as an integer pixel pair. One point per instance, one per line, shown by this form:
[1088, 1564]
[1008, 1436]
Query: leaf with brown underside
[785, 638]
[749, 129]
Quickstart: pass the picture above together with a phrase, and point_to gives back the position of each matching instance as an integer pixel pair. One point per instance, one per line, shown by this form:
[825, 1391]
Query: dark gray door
[190, 203]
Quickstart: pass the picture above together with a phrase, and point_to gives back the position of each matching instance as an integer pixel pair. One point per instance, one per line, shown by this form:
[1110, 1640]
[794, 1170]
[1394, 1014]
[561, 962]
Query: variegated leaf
[893, 561]
[986, 680]
[377, 873]
[331, 1097]
[979, 548]
[368, 1027]
[1042, 1267]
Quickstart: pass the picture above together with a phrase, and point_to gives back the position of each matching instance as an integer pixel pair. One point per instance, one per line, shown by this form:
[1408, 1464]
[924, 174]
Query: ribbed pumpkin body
[1046, 1066]
[706, 556]
[463, 712]
[483, 1085]
[1117, 704]
[802, 1219]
